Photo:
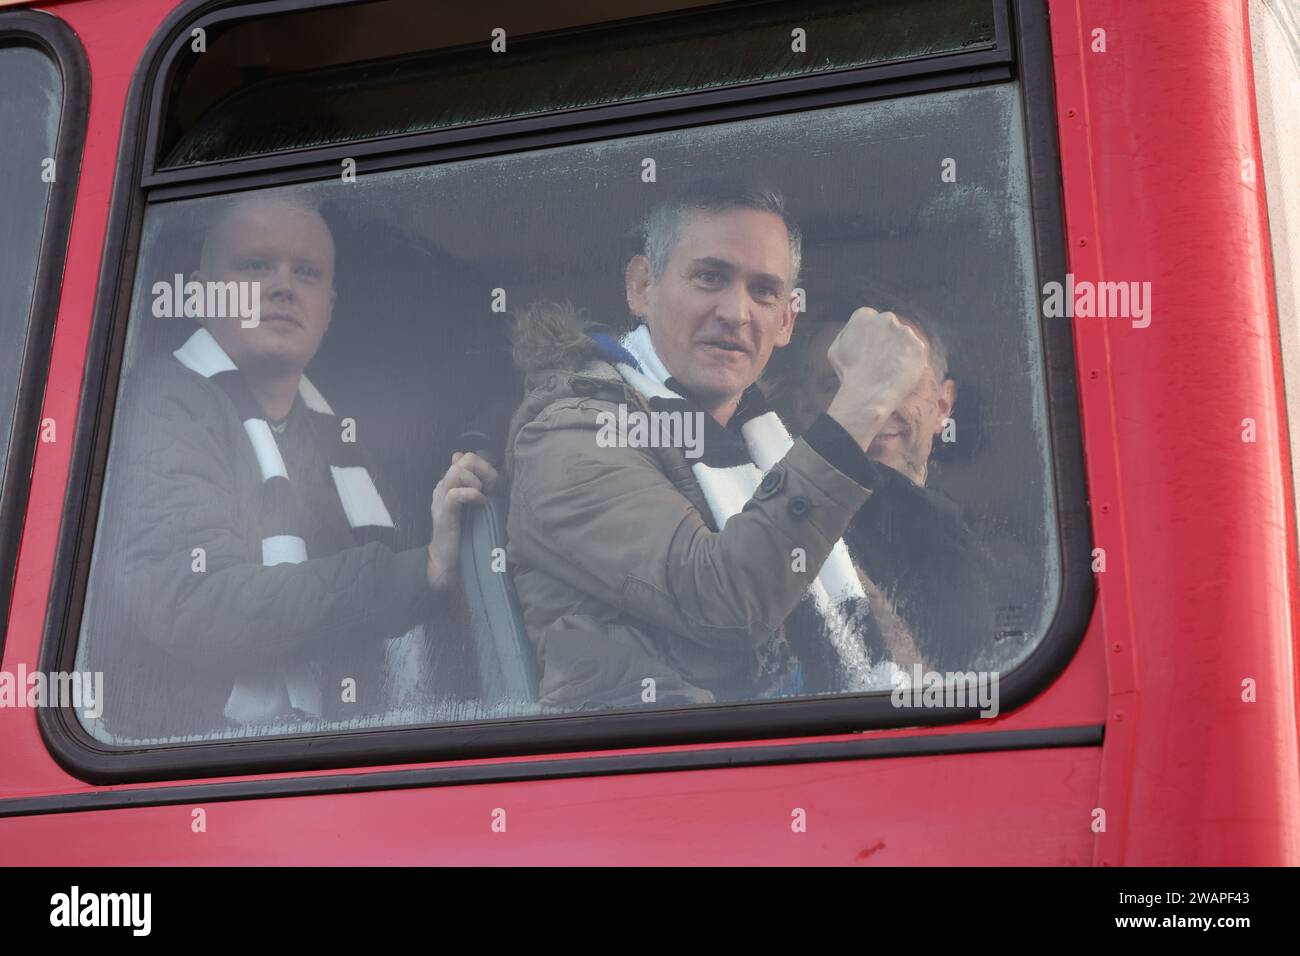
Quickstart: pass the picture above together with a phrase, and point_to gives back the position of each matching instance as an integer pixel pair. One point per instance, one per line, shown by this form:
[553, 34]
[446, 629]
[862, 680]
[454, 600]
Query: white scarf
[260, 695]
[836, 591]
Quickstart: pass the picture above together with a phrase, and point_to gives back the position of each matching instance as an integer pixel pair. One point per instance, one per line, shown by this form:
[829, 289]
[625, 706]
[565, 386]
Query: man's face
[906, 439]
[721, 305]
[288, 250]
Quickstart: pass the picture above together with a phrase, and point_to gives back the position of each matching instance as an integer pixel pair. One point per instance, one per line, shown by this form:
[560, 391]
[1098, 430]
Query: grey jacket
[171, 639]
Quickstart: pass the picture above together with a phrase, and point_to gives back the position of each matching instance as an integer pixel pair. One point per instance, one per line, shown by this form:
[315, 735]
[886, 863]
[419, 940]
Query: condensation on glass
[29, 115]
[924, 197]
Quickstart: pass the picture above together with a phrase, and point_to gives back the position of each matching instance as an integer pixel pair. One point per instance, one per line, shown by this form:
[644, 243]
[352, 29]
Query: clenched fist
[879, 360]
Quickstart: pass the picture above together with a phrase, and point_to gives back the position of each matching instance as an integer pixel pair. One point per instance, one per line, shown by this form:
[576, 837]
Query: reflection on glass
[218, 606]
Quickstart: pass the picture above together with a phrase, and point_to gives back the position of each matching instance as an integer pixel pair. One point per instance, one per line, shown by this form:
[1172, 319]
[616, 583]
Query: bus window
[260, 561]
[493, 64]
[29, 113]
[42, 111]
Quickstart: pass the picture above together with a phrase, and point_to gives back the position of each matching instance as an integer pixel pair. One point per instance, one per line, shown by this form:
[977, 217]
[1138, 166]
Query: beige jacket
[623, 577]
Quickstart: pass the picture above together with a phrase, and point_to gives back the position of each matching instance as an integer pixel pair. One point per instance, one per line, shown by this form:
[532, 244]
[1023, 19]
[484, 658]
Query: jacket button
[770, 484]
[799, 507]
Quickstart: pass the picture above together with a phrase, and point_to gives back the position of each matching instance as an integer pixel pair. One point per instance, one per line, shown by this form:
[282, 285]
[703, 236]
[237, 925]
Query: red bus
[1095, 201]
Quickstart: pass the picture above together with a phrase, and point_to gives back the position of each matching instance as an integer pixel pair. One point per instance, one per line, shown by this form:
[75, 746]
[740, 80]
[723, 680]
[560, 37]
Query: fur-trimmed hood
[561, 362]
[553, 336]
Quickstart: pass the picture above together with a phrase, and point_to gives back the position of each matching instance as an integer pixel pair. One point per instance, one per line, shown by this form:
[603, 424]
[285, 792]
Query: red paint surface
[1033, 808]
[1199, 590]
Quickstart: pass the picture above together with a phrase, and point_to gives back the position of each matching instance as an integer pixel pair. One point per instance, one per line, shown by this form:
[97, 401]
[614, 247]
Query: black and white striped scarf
[729, 472]
[283, 517]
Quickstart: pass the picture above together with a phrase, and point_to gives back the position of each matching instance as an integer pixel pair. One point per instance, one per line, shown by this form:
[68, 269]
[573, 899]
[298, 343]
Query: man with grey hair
[648, 577]
[702, 345]
[909, 538]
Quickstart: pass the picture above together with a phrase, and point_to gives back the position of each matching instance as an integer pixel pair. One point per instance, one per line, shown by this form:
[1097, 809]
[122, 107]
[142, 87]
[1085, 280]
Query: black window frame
[53, 37]
[1023, 52]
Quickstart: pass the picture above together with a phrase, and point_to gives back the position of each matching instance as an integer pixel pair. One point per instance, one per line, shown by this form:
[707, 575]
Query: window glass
[29, 115]
[261, 564]
[477, 83]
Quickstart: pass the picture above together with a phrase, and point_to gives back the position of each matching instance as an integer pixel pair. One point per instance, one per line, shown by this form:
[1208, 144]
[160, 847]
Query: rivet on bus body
[1094, 374]
[1119, 717]
[1117, 647]
[1105, 509]
[1069, 112]
[1083, 241]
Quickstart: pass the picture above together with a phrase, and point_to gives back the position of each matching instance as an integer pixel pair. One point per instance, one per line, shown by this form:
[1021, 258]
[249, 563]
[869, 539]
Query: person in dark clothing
[246, 557]
[910, 539]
